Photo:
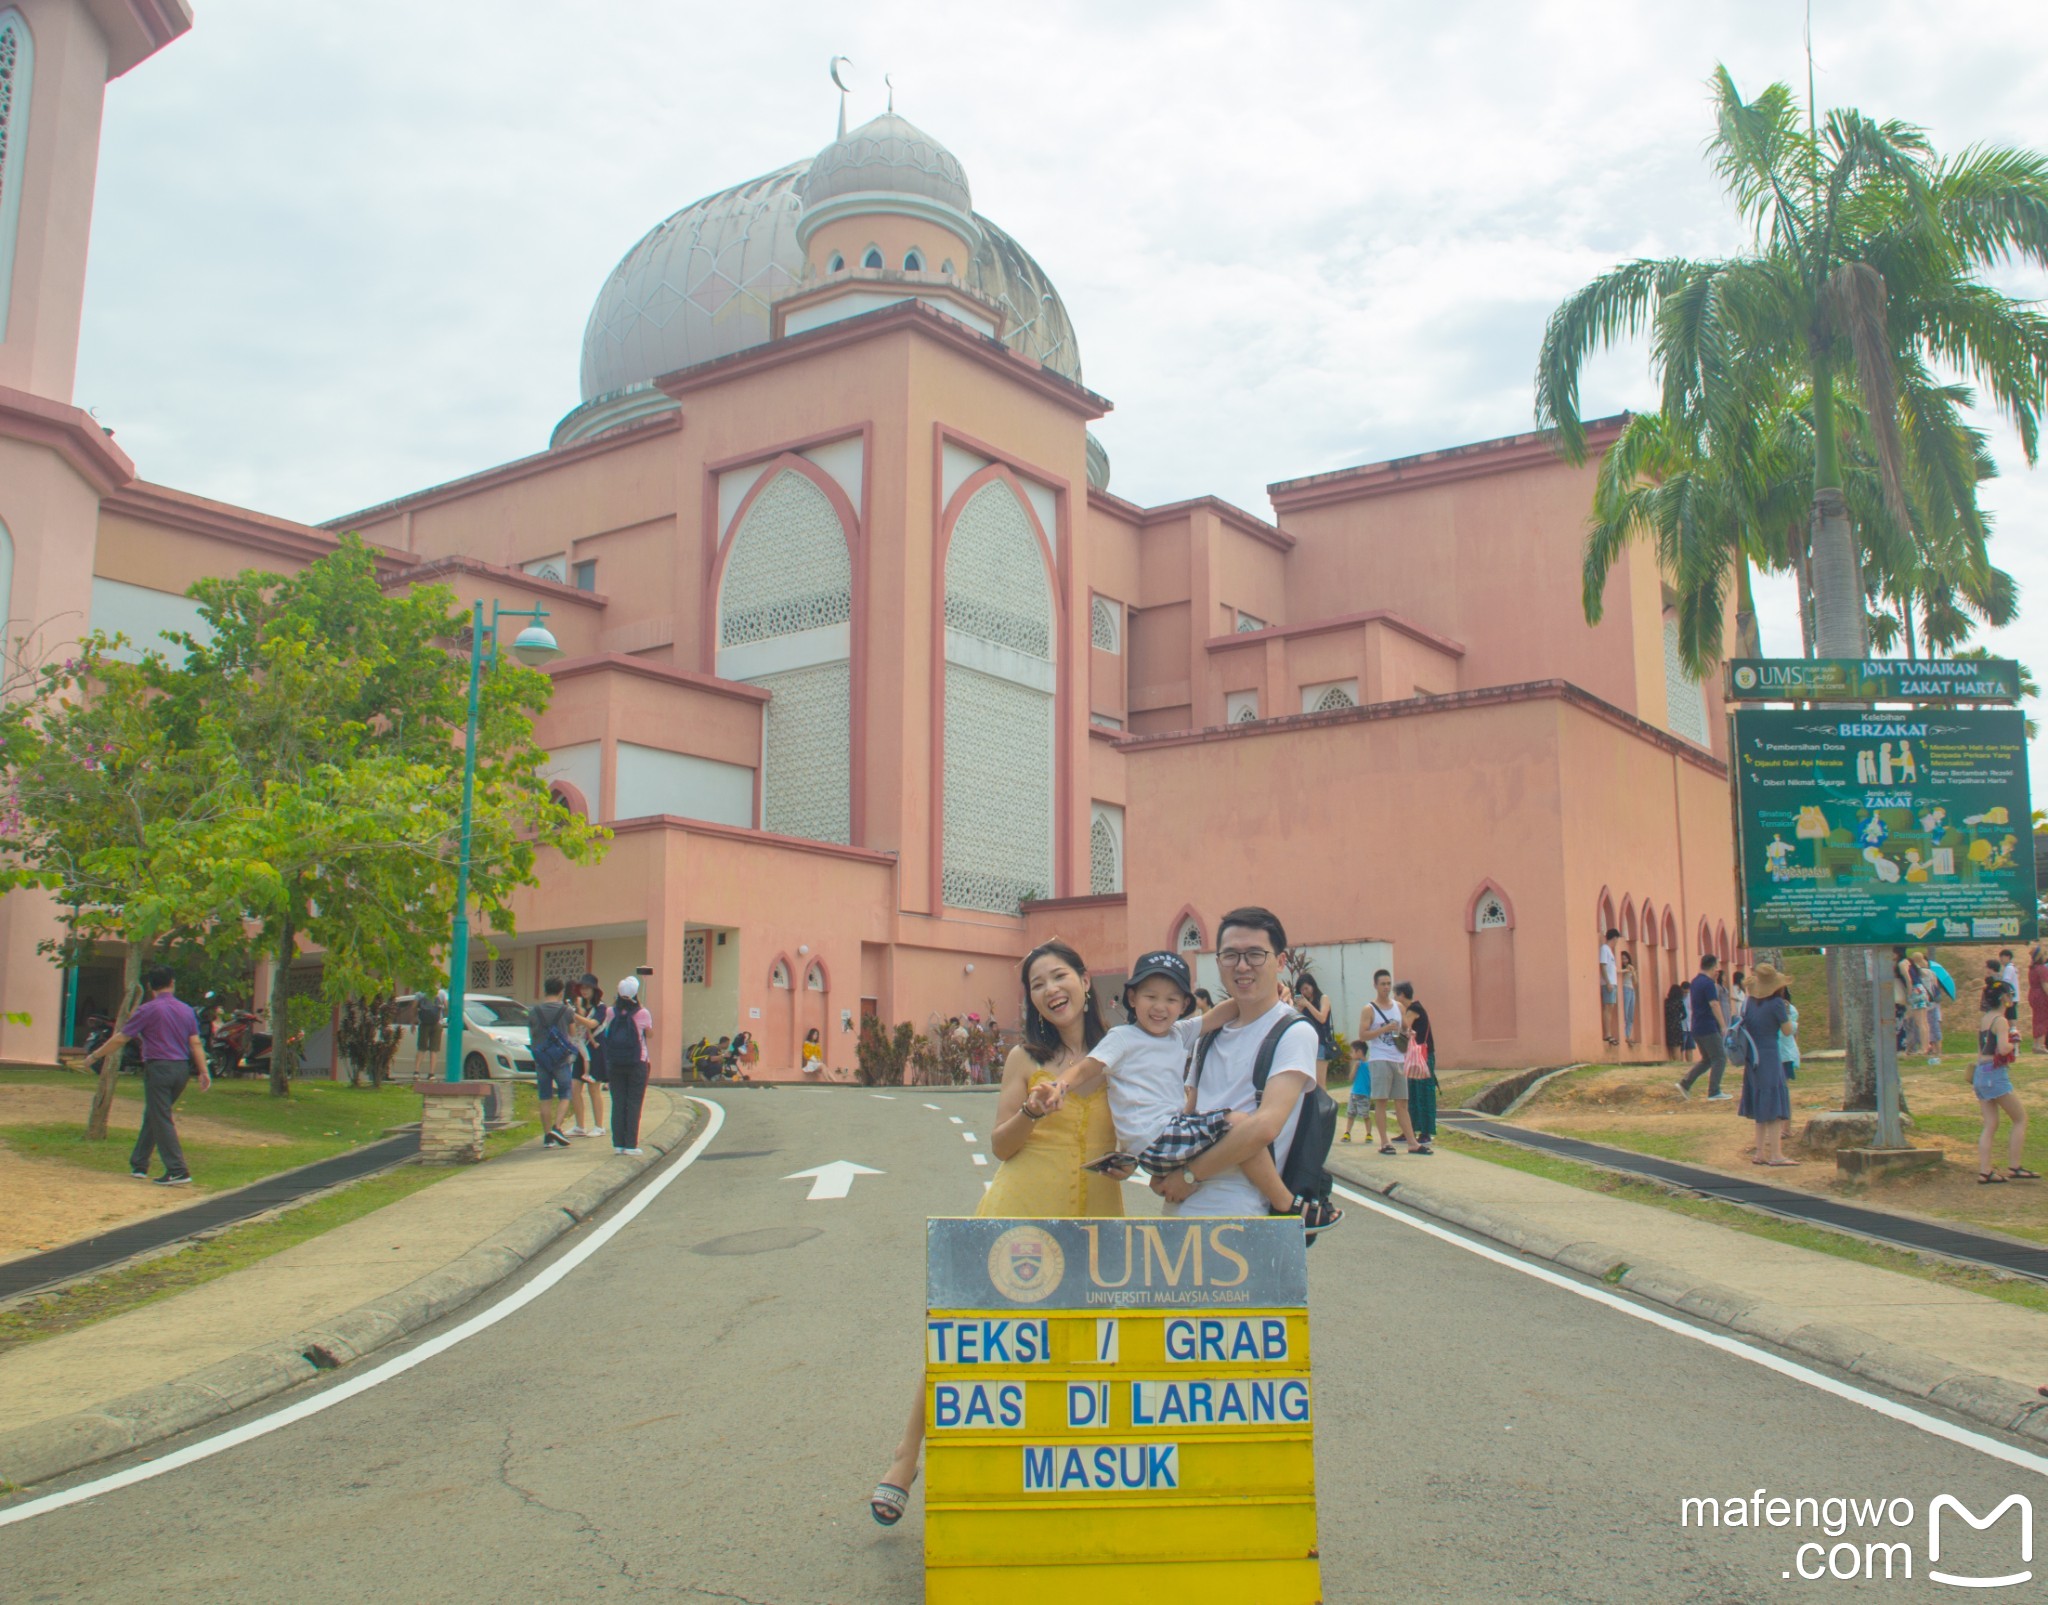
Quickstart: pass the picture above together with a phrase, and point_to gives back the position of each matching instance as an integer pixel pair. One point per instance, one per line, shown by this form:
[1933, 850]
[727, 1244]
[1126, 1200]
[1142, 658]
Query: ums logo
[1026, 1264]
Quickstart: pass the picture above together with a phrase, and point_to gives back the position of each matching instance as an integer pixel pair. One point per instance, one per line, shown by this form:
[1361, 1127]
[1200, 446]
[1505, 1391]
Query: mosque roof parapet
[912, 314]
[1342, 621]
[1170, 512]
[425, 570]
[239, 526]
[1501, 455]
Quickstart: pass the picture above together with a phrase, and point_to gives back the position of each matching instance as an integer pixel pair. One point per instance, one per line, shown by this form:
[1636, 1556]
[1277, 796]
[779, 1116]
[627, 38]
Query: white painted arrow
[834, 1180]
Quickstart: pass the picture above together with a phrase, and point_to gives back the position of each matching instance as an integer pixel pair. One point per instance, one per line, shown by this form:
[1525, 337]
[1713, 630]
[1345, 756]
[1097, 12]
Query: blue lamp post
[532, 646]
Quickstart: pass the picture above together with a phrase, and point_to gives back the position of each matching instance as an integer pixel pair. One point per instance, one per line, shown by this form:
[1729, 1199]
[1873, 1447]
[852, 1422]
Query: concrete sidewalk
[169, 1366]
[1977, 1356]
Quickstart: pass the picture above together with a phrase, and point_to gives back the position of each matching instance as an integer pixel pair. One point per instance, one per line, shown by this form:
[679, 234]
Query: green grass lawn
[1681, 1146]
[2027, 1294]
[319, 1119]
[119, 1291]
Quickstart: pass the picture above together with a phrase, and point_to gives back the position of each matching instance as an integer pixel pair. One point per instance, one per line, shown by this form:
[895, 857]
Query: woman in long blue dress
[1766, 1094]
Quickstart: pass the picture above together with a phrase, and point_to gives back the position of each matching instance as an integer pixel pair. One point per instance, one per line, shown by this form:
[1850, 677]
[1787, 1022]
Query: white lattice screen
[997, 837]
[815, 980]
[696, 957]
[493, 974]
[788, 569]
[1105, 859]
[998, 833]
[995, 576]
[1490, 915]
[789, 572]
[565, 964]
[779, 976]
[807, 762]
[1190, 938]
[1683, 694]
[1103, 629]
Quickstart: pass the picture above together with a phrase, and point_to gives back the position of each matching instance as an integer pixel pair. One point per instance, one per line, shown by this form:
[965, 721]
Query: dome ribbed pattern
[890, 155]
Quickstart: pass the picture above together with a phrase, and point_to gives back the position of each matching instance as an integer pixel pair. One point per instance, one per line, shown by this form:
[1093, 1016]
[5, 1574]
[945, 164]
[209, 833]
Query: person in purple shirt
[171, 1055]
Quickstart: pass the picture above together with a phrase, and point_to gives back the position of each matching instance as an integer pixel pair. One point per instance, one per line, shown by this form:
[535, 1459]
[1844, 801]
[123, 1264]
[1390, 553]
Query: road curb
[63, 1444]
[1992, 1401]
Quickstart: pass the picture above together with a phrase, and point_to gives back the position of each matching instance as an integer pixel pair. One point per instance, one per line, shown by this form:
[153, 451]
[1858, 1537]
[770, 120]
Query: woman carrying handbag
[1418, 1064]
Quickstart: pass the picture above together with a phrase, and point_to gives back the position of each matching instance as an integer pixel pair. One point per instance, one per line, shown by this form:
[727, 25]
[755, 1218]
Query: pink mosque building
[878, 683]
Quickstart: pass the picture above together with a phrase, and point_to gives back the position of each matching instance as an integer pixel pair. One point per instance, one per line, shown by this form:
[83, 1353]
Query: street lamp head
[535, 645]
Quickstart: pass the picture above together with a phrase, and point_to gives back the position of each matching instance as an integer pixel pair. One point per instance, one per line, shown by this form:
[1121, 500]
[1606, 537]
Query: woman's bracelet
[1027, 1113]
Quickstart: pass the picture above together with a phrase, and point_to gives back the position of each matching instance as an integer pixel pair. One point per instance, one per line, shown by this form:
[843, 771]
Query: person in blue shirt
[1709, 1024]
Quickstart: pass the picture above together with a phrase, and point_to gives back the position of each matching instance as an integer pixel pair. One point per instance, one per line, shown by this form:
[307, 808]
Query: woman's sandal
[2021, 1173]
[1986, 1177]
[1390, 1149]
[1422, 1148]
[888, 1502]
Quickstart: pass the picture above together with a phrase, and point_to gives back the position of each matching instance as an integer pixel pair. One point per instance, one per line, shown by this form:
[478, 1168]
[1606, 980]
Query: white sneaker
[632, 1150]
[1720, 1097]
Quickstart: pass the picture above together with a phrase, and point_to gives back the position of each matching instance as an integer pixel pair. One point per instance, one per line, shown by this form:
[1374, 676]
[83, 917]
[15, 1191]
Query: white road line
[956, 1120]
[979, 1159]
[886, 1097]
[931, 1106]
[1933, 1425]
[264, 1425]
[967, 1136]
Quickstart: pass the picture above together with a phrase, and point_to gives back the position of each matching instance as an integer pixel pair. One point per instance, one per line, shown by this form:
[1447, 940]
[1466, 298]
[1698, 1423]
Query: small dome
[890, 155]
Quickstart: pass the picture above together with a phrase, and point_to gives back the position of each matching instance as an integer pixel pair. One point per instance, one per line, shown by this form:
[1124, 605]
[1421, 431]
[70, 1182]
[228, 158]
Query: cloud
[339, 256]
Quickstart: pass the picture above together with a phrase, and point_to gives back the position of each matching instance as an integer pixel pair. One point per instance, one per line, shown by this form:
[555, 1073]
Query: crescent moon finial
[840, 83]
[891, 85]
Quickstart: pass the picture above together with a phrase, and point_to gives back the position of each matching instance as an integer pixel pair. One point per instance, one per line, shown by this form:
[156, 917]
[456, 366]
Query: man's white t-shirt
[2010, 975]
[1227, 1084]
[1147, 1078]
[1606, 965]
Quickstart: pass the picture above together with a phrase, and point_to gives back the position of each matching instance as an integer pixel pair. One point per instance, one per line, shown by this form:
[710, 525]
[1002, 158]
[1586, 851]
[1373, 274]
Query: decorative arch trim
[1706, 934]
[1187, 912]
[570, 793]
[817, 967]
[853, 524]
[1603, 911]
[1627, 922]
[1480, 891]
[781, 962]
[1670, 930]
[1064, 634]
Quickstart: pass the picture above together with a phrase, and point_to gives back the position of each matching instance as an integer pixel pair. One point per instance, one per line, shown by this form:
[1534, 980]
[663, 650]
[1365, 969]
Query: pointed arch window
[913, 261]
[1105, 630]
[814, 979]
[997, 835]
[785, 606]
[1189, 937]
[779, 975]
[872, 260]
[1491, 914]
[837, 264]
[1106, 850]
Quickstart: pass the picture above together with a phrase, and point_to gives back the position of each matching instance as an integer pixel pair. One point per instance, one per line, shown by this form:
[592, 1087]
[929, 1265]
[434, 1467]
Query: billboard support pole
[1885, 1042]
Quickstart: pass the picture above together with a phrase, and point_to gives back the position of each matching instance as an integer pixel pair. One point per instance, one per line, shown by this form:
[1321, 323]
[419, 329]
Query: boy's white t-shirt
[1147, 1078]
[1227, 1084]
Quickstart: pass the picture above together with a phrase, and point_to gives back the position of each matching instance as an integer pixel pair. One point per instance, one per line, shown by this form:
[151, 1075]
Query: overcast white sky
[341, 253]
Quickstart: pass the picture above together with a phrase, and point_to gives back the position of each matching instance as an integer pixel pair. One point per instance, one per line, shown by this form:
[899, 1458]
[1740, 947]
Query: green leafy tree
[1862, 284]
[293, 780]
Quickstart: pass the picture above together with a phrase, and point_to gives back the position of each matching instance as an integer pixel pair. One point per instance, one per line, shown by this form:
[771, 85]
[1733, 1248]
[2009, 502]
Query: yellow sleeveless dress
[1045, 1177]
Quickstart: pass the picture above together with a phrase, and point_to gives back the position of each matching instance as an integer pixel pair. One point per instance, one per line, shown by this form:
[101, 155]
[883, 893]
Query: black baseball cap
[1169, 964]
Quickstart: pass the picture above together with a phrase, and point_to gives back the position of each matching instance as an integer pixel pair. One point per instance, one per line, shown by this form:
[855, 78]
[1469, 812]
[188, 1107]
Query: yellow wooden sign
[1117, 1404]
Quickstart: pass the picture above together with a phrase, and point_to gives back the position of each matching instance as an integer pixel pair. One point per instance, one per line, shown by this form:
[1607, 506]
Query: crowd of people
[587, 1052]
[1750, 1021]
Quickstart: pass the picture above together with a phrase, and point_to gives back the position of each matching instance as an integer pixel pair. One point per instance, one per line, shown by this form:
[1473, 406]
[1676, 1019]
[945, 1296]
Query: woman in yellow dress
[1041, 1155]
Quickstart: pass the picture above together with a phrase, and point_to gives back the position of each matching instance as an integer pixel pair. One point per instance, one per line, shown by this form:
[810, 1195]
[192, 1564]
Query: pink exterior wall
[1382, 824]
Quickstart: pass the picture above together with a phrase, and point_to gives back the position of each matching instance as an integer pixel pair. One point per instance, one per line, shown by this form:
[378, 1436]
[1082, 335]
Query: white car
[494, 1044]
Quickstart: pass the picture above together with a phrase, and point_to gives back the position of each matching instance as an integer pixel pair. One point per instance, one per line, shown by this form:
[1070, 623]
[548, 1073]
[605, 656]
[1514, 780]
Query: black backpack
[621, 1038]
[1305, 1170]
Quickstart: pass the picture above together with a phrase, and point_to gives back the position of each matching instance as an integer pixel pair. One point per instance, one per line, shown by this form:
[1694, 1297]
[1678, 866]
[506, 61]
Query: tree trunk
[1802, 568]
[1839, 629]
[110, 1066]
[283, 1052]
[1834, 1000]
[1748, 639]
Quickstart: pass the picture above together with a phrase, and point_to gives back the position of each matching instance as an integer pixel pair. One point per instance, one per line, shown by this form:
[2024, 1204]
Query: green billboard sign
[1873, 680]
[1874, 828]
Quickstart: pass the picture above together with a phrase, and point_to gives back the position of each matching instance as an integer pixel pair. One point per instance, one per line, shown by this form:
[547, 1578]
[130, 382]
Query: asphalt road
[699, 1410]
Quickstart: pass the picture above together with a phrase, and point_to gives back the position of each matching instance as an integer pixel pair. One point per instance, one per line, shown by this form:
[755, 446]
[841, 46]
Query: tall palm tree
[1860, 285]
[1861, 282]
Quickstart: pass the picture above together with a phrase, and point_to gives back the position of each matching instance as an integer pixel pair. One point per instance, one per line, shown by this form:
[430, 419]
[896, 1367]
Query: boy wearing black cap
[1145, 1063]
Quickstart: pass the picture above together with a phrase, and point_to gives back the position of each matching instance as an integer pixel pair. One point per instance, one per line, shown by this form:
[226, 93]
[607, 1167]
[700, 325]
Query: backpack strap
[1262, 1066]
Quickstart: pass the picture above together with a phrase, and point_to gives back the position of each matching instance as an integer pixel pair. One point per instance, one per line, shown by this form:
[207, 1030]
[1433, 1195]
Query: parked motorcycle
[98, 1027]
[241, 1048]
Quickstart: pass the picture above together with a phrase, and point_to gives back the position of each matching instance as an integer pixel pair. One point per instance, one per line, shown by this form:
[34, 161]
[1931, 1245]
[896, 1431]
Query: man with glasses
[1250, 947]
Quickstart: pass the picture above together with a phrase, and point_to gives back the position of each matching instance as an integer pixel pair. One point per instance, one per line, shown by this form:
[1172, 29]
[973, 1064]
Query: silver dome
[699, 286]
[889, 155]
